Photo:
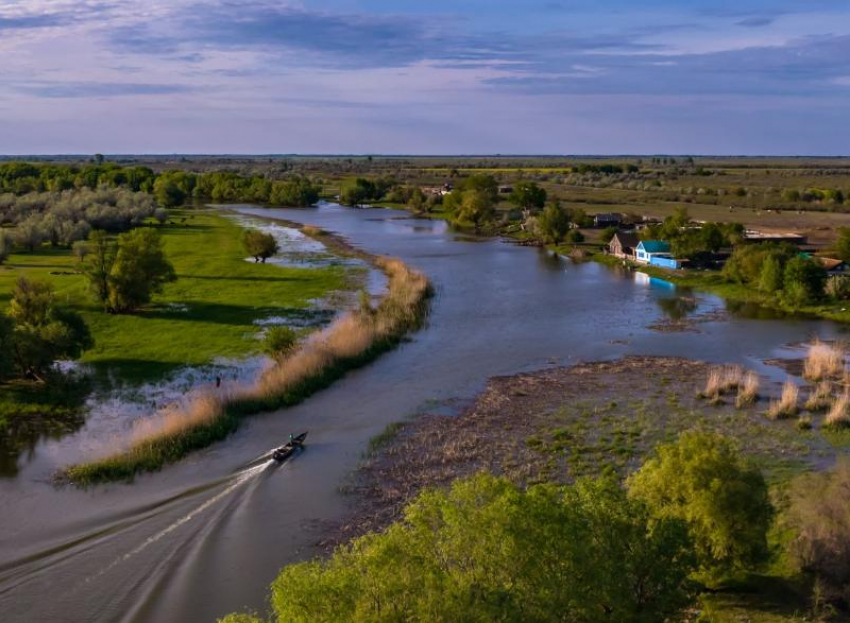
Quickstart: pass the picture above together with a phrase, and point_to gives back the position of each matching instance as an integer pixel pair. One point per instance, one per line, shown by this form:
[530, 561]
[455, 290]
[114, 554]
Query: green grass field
[207, 313]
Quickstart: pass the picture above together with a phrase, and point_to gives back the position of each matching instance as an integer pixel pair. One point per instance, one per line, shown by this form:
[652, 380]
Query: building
[607, 220]
[753, 235]
[647, 249]
[506, 190]
[833, 266]
[623, 245]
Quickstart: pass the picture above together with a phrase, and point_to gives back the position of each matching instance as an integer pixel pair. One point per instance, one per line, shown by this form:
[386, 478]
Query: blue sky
[459, 77]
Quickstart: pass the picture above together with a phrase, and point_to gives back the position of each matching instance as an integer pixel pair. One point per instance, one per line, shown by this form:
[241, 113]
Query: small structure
[608, 219]
[623, 245]
[647, 249]
[753, 235]
[506, 190]
[833, 266]
[665, 261]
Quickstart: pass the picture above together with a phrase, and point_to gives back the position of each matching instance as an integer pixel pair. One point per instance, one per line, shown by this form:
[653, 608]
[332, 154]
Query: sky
[743, 77]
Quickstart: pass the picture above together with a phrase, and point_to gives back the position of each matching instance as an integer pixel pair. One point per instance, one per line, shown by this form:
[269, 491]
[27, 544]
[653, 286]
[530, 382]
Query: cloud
[99, 89]
[756, 21]
[28, 22]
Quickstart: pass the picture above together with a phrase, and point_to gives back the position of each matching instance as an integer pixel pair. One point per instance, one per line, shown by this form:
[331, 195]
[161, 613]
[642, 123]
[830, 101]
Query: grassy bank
[353, 340]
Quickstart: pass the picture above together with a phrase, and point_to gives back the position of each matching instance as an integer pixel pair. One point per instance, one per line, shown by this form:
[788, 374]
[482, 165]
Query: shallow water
[206, 536]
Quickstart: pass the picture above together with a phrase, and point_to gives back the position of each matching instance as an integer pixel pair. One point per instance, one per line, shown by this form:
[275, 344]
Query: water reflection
[678, 307]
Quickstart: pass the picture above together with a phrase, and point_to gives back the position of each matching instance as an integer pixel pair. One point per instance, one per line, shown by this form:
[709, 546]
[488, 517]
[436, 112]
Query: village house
[623, 245]
[646, 250]
[607, 220]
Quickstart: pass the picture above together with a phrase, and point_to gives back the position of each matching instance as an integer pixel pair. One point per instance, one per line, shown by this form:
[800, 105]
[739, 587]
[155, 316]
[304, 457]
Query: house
[506, 190]
[647, 249]
[833, 266]
[607, 220]
[623, 245]
[753, 235]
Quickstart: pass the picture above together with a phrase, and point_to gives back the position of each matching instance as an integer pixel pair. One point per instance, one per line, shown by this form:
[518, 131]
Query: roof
[654, 246]
[830, 263]
[608, 216]
[626, 240]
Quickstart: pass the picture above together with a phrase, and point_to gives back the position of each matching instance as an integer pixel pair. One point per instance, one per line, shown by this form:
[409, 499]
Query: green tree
[140, 270]
[168, 193]
[842, 245]
[259, 245]
[608, 233]
[554, 223]
[296, 192]
[703, 480]
[475, 209]
[486, 550]
[5, 247]
[7, 347]
[483, 183]
[98, 265]
[356, 192]
[772, 275]
[528, 195]
[804, 280]
[574, 236]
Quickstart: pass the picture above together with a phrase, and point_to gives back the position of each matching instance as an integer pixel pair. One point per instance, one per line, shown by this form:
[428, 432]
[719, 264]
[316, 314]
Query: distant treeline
[170, 188]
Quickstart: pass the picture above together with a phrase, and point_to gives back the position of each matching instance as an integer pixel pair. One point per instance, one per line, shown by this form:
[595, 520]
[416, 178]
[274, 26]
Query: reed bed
[820, 398]
[722, 380]
[824, 361]
[786, 406]
[353, 340]
[839, 414]
[748, 390]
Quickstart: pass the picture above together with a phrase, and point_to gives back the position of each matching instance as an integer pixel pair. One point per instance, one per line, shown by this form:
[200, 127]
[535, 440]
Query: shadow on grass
[762, 597]
[235, 315]
[294, 278]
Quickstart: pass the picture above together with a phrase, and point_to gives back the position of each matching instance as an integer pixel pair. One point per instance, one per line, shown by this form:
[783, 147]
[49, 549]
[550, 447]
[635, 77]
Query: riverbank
[351, 341]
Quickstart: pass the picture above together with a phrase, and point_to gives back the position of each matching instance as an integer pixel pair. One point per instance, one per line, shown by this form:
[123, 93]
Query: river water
[206, 536]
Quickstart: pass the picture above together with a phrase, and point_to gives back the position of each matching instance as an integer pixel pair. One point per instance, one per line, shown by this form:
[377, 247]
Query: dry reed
[748, 390]
[352, 340]
[820, 399]
[786, 406]
[722, 379]
[824, 361]
[839, 414]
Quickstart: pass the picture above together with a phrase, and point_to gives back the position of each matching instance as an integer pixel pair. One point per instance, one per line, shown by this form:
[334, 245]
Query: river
[206, 536]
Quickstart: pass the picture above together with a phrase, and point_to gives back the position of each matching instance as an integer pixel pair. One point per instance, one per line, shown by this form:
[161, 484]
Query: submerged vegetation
[353, 340]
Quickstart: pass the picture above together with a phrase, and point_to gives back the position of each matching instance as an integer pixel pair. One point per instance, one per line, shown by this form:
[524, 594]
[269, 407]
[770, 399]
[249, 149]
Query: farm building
[647, 249]
[607, 220]
[833, 266]
[623, 245]
[752, 235]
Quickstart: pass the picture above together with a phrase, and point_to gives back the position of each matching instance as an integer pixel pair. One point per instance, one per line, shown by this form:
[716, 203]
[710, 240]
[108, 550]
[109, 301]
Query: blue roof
[654, 246]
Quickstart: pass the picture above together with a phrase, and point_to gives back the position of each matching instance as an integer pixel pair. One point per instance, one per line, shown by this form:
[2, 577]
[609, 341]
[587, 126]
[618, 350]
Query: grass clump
[748, 390]
[786, 406]
[351, 341]
[839, 415]
[721, 380]
[824, 361]
[820, 399]
[804, 422]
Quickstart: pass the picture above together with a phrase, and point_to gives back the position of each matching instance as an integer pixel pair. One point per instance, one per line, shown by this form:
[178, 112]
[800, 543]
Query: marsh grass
[721, 380]
[748, 390]
[839, 415]
[353, 340]
[786, 406]
[820, 398]
[824, 361]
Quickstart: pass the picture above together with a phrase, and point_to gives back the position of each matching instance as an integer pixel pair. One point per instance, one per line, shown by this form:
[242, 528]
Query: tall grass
[839, 414]
[721, 380]
[748, 390]
[824, 361]
[786, 406]
[353, 340]
[820, 399]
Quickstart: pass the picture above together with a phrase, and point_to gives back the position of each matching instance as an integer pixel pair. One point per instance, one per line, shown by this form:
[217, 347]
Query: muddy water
[206, 536]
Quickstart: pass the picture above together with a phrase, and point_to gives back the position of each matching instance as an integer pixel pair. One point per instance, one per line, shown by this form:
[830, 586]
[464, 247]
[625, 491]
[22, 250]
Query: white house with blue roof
[649, 249]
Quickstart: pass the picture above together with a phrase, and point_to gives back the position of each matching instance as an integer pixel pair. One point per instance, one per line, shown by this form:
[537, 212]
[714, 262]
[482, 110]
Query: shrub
[839, 413]
[575, 236]
[485, 550]
[786, 406]
[804, 281]
[818, 517]
[838, 287]
[703, 480]
[820, 398]
[748, 390]
[279, 341]
[823, 361]
[259, 245]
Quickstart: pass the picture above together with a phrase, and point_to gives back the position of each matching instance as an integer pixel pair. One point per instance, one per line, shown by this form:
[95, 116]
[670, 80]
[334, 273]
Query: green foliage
[38, 332]
[485, 551]
[139, 270]
[259, 245]
[172, 188]
[475, 210]
[554, 223]
[745, 264]
[818, 519]
[574, 236]
[480, 182]
[771, 278]
[608, 233]
[838, 287]
[279, 341]
[842, 245]
[528, 195]
[296, 192]
[804, 280]
[703, 480]
[358, 191]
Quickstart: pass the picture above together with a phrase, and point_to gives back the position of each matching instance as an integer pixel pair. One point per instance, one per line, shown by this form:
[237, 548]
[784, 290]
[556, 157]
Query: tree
[279, 341]
[608, 233]
[98, 265]
[43, 332]
[771, 277]
[259, 245]
[804, 280]
[168, 193]
[574, 236]
[140, 269]
[161, 215]
[528, 196]
[296, 192]
[842, 245]
[5, 247]
[480, 182]
[7, 349]
[486, 550]
[554, 223]
[356, 192]
[702, 480]
[475, 209]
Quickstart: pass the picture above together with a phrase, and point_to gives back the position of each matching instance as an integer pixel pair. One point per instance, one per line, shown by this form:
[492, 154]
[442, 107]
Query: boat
[286, 451]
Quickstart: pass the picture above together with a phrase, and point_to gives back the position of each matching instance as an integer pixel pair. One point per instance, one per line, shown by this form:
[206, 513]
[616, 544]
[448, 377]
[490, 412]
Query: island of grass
[209, 312]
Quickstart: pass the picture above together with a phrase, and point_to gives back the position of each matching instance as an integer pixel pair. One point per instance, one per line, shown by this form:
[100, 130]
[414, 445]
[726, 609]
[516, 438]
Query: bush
[279, 342]
[485, 550]
[259, 245]
[818, 517]
[702, 480]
